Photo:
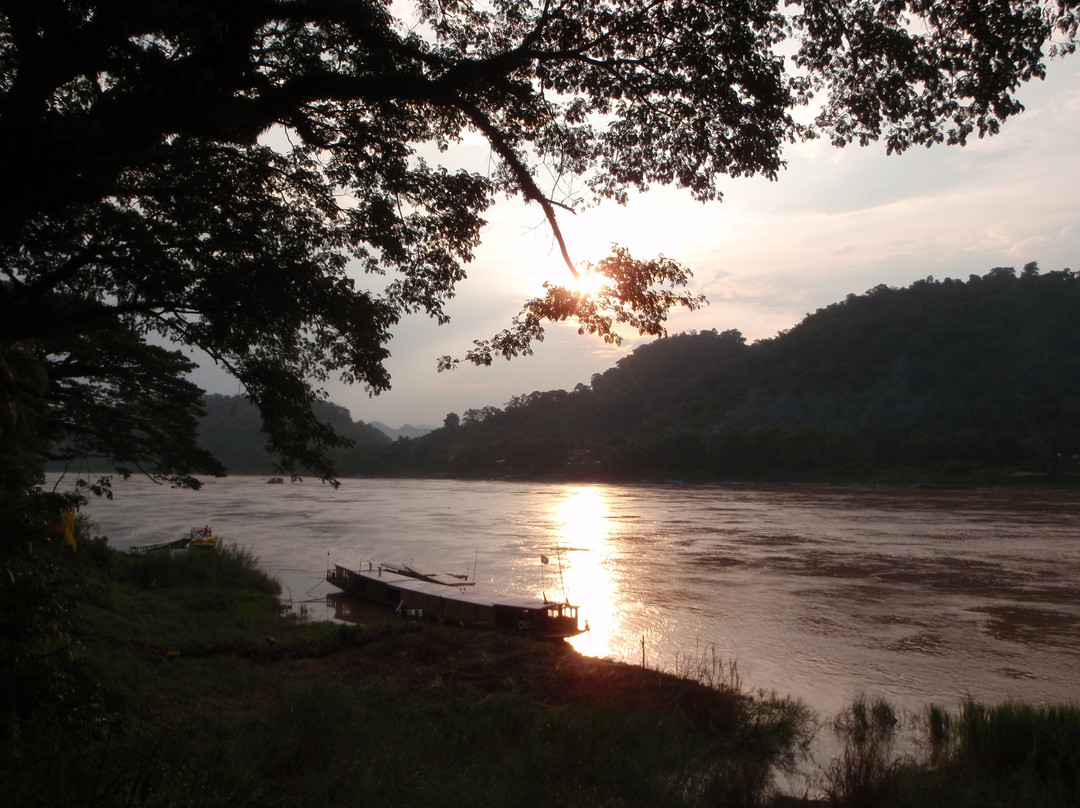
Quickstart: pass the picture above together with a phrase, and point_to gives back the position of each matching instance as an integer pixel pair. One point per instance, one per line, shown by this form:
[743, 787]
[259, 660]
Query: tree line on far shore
[947, 380]
[944, 380]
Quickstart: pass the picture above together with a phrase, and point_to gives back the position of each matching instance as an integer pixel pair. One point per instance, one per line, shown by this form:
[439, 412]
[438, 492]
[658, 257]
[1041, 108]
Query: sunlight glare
[589, 283]
[583, 551]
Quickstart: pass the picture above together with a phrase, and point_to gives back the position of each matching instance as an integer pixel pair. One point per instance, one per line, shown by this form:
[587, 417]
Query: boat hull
[159, 547]
[458, 603]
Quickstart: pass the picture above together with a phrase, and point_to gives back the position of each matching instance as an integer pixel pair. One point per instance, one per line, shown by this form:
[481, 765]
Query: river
[821, 593]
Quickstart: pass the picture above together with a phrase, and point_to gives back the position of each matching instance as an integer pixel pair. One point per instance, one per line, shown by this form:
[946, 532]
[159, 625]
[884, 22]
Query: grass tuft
[862, 777]
[984, 756]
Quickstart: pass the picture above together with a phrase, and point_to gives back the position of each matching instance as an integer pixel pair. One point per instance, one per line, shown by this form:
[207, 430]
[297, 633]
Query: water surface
[816, 592]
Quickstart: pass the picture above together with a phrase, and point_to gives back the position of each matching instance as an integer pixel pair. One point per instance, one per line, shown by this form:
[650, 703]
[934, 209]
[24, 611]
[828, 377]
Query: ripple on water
[817, 592]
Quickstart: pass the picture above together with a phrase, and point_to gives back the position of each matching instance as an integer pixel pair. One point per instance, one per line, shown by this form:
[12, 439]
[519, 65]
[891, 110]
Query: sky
[835, 222]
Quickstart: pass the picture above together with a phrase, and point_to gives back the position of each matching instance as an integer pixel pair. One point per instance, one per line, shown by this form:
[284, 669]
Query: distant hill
[406, 431]
[944, 379]
[232, 430]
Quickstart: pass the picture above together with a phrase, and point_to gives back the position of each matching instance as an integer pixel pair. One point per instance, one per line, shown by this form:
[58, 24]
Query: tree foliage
[936, 380]
[222, 174]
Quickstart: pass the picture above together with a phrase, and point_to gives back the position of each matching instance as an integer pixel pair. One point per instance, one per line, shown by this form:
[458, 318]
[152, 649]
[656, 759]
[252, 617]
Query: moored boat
[454, 600]
[159, 547]
[203, 538]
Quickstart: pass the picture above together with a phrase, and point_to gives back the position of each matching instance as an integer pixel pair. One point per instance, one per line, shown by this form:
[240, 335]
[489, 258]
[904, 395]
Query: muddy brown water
[816, 592]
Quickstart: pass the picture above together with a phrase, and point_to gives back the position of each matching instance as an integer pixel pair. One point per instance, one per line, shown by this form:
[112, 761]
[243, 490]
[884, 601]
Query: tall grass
[1031, 753]
[706, 667]
[771, 736]
[315, 741]
[228, 565]
[380, 747]
[862, 776]
[983, 756]
[177, 728]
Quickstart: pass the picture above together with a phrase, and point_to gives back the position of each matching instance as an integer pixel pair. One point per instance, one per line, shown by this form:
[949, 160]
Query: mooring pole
[558, 554]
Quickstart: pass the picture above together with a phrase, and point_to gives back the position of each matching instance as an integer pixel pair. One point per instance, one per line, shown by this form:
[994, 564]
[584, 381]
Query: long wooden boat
[159, 547]
[454, 600]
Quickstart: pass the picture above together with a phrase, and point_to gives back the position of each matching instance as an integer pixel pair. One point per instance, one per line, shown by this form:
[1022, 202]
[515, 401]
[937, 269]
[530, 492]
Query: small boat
[455, 600]
[203, 538]
[276, 481]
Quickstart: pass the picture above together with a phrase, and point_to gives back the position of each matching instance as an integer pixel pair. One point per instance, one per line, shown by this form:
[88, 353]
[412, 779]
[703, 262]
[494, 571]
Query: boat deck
[455, 601]
[466, 592]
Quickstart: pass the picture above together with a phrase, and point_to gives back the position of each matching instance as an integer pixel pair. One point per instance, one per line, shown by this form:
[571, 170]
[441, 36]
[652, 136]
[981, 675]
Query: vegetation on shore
[983, 756]
[951, 382]
[176, 680]
[957, 383]
[945, 382]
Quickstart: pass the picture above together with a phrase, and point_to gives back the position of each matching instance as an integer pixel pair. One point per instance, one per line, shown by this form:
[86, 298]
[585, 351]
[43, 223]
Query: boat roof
[465, 592]
[443, 578]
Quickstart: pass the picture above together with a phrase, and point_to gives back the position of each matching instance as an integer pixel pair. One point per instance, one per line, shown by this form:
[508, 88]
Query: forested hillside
[232, 431]
[942, 380]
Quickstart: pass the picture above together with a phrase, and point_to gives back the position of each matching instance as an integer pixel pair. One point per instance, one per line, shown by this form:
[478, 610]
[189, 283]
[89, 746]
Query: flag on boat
[543, 559]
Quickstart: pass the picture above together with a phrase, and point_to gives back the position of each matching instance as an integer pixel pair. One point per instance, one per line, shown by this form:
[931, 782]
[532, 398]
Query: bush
[228, 565]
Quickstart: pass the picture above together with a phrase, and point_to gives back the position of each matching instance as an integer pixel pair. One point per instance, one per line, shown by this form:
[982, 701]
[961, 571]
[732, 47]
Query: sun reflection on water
[583, 554]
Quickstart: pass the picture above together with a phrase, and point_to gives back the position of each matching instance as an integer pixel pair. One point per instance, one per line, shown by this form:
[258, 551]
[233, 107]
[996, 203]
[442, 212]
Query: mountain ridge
[404, 431]
[232, 431]
[953, 379]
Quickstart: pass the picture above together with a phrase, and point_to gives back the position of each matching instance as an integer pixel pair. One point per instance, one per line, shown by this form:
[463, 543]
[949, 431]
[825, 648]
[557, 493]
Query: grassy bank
[175, 680]
[1007, 755]
[185, 686]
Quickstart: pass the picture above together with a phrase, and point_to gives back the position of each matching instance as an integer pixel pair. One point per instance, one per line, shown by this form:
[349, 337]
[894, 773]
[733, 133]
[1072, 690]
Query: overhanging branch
[530, 190]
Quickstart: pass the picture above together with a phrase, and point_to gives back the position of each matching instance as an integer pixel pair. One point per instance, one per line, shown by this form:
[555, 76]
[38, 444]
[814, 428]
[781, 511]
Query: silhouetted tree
[947, 376]
[140, 197]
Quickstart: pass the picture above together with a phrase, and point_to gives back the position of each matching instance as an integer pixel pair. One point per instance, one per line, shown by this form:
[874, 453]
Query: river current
[821, 593]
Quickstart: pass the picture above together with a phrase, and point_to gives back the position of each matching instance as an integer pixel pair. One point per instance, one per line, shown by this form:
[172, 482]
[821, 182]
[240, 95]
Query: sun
[589, 283]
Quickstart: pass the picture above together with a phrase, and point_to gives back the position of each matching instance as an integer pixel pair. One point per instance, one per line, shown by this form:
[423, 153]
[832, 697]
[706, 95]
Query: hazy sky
[837, 221]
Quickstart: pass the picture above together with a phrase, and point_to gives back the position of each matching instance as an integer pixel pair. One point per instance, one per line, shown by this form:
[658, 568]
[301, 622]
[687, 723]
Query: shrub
[863, 774]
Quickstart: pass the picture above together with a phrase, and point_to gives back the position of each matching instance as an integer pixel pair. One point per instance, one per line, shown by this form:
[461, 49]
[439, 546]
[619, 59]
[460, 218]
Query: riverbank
[175, 680]
[905, 478]
[183, 684]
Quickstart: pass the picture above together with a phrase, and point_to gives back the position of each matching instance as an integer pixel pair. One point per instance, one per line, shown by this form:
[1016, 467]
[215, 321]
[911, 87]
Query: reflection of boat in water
[198, 537]
[455, 600]
[354, 609]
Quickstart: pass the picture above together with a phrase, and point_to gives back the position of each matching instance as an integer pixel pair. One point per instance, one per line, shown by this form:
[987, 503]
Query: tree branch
[529, 189]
